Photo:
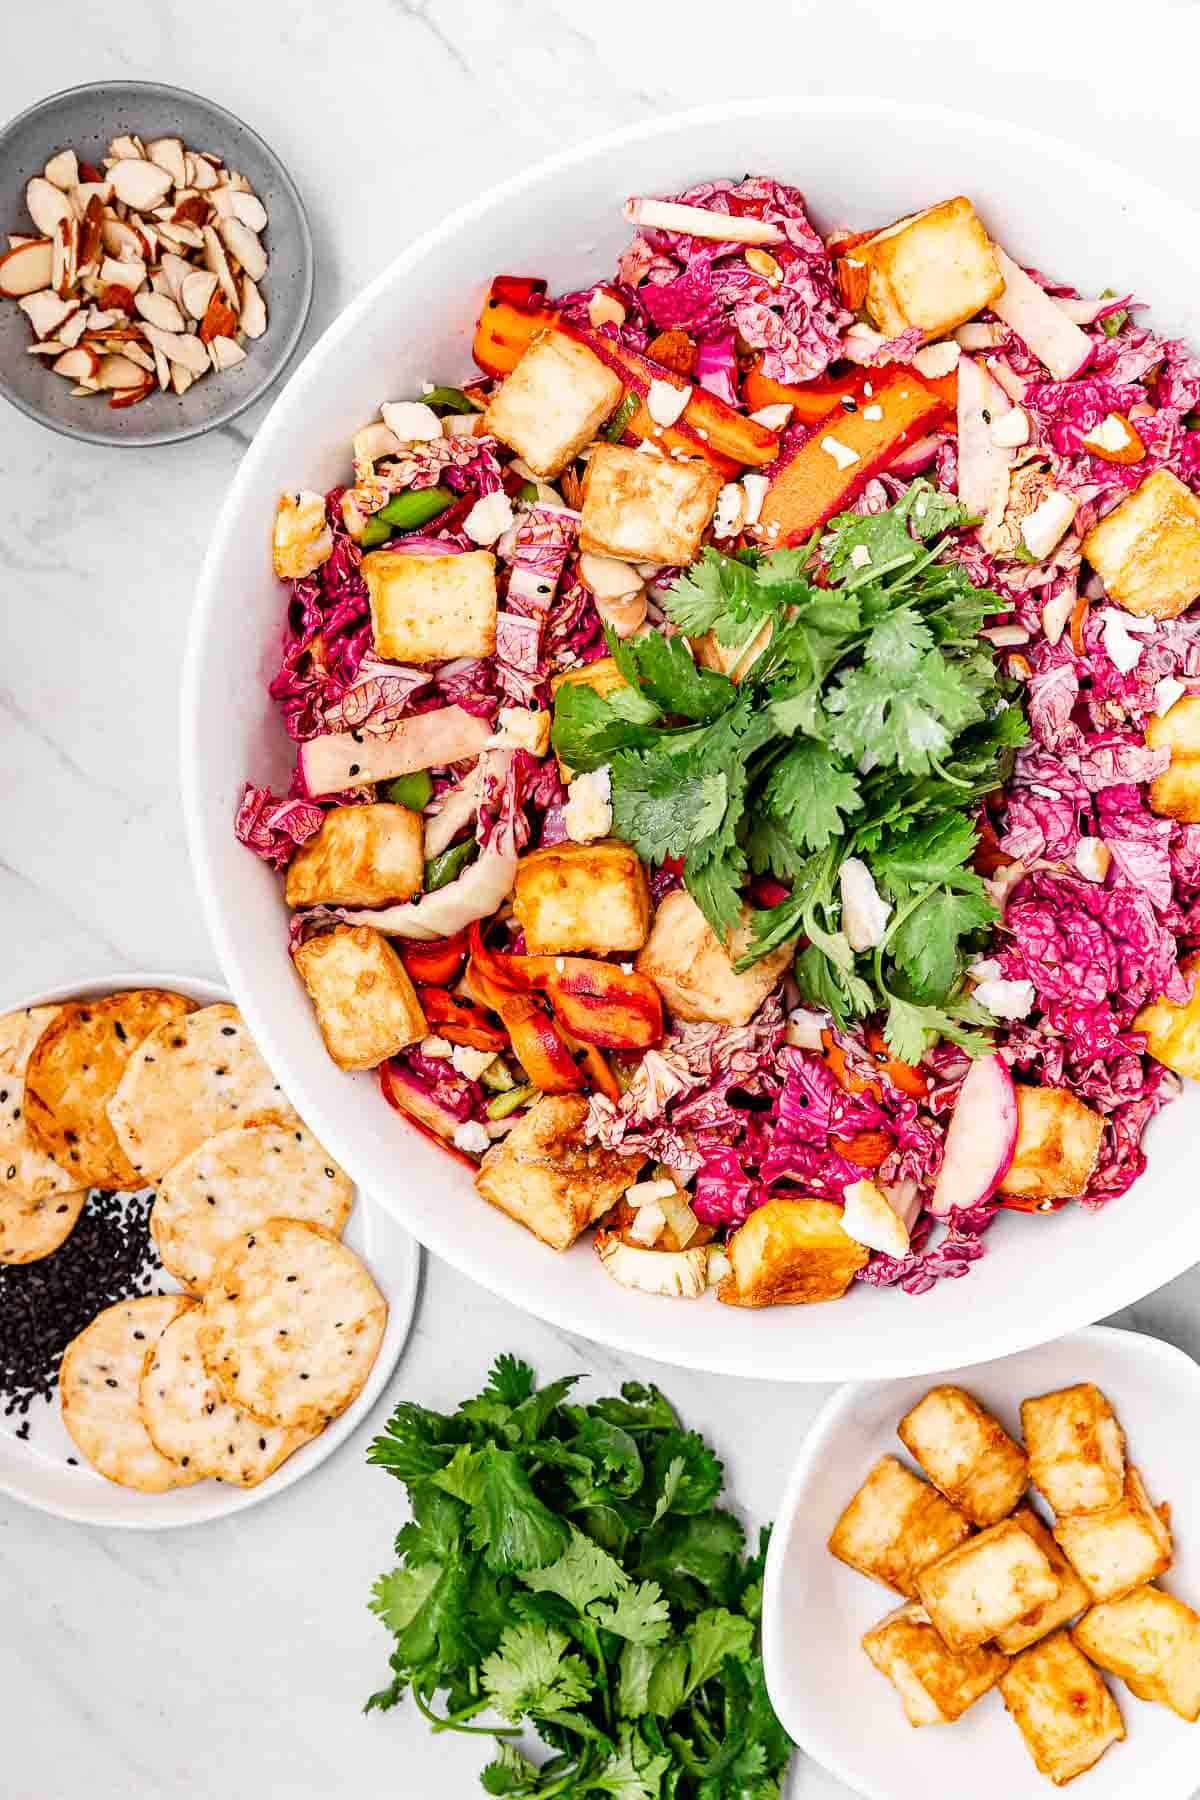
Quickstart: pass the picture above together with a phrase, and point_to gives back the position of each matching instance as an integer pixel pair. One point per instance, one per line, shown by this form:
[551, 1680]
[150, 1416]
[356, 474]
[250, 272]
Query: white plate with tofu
[1040, 1277]
[1016, 1559]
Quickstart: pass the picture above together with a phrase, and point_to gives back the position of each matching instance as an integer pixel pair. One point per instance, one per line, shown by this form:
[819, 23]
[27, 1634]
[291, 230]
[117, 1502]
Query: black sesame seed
[354, 768]
[330, 1173]
[109, 1382]
[262, 1443]
[120, 1030]
[228, 1031]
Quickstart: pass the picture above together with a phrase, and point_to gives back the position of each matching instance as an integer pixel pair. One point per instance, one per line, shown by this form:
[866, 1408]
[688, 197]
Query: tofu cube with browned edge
[694, 972]
[1119, 1549]
[1146, 551]
[361, 856]
[1175, 794]
[791, 1253]
[734, 660]
[553, 403]
[1172, 1027]
[895, 1526]
[1072, 1597]
[986, 1585]
[1152, 1641]
[1062, 1708]
[936, 1685]
[1058, 1145]
[646, 508]
[933, 271]
[602, 676]
[546, 1177]
[1076, 1448]
[431, 608]
[966, 1453]
[366, 1006]
[582, 897]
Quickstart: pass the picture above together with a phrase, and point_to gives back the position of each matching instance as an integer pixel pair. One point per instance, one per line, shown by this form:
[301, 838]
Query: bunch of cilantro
[568, 1567]
[867, 719]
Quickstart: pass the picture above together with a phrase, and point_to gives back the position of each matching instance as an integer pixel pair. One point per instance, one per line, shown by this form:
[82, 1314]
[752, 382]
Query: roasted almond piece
[46, 204]
[220, 319]
[119, 372]
[62, 171]
[225, 353]
[178, 347]
[140, 185]
[254, 313]
[243, 243]
[77, 365]
[195, 291]
[216, 260]
[249, 210]
[27, 269]
[46, 311]
[160, 310]
[168, 153]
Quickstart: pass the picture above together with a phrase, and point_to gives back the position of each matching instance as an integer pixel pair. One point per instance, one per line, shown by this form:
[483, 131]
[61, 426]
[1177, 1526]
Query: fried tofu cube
[934, 270]
[1172, 1028]
[553, 403]
[1152, 1641]
[966, 1453]
[986, 1585]
[1064, 1711]
[734, 660]
[1175, 794]
[1147, 550]
[1072, 1598]
[602, 676]
[1058, 1145]
[646, 508]
[1076, 1448]
[545, 1176]
[1119, 1549]
[431, 608]
[582, 897]
[361, 856]
[936, 1685]
[366, 1005]
[694, 972]
[895, 1526]
[791, 1253]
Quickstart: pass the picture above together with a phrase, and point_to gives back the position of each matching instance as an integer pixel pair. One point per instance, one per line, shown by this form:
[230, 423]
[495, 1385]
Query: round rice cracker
[29, 1233]
[236, 1181]
[100, 1384]
[192, 1423]
[292, 1324]
[27, 1175]
[74, 1070]
[187, 1081]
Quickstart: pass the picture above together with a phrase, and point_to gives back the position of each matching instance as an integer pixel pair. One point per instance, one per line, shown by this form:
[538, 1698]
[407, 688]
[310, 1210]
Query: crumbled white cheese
[1046, 524]
[843, 456]
[872, 412]
[730, 510]
[804, 1028]
[489, 518]
[435, 1046]
[1121, 632]
[868, 389]
[588, 813]
[870, 1219]
[936, 360]
[1092, 858]
[719, 1266]
[471, 1063]
[1006, 999]
[626, 968]
[665, 402]
[427, 387]
[604, 309]
[1055, 615]
[1166, 693]
[860, 556]
[756, 492]
[649, 1225]
[986, 969]
[865, 914]
[472, 1138]
[411, 420]
[521, 729]
[774, 417]
[1111, 435]
[1011, 429]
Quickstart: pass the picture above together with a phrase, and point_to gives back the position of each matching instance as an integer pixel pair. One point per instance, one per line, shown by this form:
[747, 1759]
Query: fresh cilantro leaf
[910, 1029]
[796, 706]
[639, 1614]
[667, 1687]
[714, 589]
[637, 1665]
[611, 1452]
[634, 705]
[634, 1772]
[509, 1772]
[925, 944]
[398, 1597]
[811, 792]
[899, 640]
[703, 1549]
[712, 1637]
[530, 1418]
[934, 852]
[669, 1487]
[902, 716]
[663, 806]
[587, 731]
[831, 988]
[516, 1529]
[532, 1673]
[583, 1573]
[932, 511]
[641, 1407]
[664, 669]
[698, 1482]
[715, 884]
[415, 1442]
[510, 1380]
[770, 849]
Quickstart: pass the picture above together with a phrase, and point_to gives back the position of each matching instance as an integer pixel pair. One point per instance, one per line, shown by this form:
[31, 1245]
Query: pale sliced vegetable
[669, 215]
[475, 894]
[981, 1138]
[983, 464]
[679, 1274]
[457, 810]
[1028, 310]
[427, 741]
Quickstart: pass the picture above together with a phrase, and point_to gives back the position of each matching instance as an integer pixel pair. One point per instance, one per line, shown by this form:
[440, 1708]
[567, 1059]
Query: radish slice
[1028, 310]
[983, 464]
[981, 1139]
[340, 760]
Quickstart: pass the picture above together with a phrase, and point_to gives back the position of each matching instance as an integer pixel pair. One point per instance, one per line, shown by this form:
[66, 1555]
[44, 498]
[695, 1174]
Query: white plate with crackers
[898, 1472]
[230, 1307]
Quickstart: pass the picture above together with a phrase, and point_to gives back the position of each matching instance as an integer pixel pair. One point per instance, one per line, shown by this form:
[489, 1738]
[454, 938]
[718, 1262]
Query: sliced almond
[64, 249]
[249, 209]
[18, 238]
[175, 270]
[201, 174]
[130, 275]
[46, 311]
[243, 243]
[216, 260]
[47, 205]
[197, 289]
[131, 396]
[101, 317]
[70, 333]
[49, 347]
[118, 372]
[130, 145]
[27, 269]
[181, 378]
[221, 201]
[141, 185]
[77, 365]
[119, 239]
[141, 356]
[84, 388]
[168, 154]
[220, 319]
[162, 368]
[62, 171]
[225, 353]
[182, 237]
[91, 233]
[190, 209]
[160, 310]
[237, 182]
[253, 318]
[188, 352]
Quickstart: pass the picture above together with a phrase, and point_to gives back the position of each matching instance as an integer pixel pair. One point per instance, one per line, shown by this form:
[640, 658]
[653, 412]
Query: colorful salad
[747, 792]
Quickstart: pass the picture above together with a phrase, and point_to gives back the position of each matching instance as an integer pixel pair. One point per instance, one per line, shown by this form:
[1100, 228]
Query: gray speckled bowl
[85, 119]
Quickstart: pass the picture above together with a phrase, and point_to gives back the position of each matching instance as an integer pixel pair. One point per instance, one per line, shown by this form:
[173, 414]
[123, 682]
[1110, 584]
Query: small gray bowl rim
[150, 439]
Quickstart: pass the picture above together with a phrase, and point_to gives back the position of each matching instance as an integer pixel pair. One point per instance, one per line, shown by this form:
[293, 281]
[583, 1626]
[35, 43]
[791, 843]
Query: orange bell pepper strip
[1131, 451]
[849, 1083]
[911, 1081]
[946, 386]
[436, 964]
[809, 401]
[593, 1001]
[825, 470]
[866, 1149]
[536, 1040]
[1024, 1203]
[460, 1021]
[512, 313]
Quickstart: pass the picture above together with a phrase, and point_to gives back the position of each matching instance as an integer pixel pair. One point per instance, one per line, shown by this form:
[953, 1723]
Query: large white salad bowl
[860, 162]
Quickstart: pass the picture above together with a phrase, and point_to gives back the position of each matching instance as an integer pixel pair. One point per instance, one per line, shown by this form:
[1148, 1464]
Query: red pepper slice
[596, 1002]
[512, 313]
[460, 1021]
[436, 964]
[536, 1040]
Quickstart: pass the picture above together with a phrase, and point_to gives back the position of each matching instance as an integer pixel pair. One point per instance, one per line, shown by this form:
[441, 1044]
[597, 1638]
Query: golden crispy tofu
[791, 1253]
[1076, 1448]
[582, 897]
[694, 972]
[1172, 1028]
[733, 660]
[366, 1005]
[986, 1585]
[646, 508]
[544, 1175]
[895, 1526]
[361, 856]
[966, 1453]
[1147, 550]
[1175, 794]
[1064, 1711]
[1072, 1598]
[1119, 1549]
[934, 270]
[553, 403]
[602, 676]
[936, 1685]
[1152, 1641]
[1058, 1145]
[431, 608]
[301, 540]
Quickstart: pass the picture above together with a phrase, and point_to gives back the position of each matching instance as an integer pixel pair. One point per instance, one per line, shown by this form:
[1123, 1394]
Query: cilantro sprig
[568, 1568]
[866, 720]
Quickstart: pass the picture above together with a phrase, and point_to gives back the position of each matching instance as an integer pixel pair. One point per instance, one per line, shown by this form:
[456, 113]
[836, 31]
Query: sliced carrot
[810, 400]
[866, 1149]
[674, 350]
[1078, 619]
[909, 1080]
[512, 314]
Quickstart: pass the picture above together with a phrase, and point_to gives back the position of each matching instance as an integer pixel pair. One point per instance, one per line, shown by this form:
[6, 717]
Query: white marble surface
[232, 1660]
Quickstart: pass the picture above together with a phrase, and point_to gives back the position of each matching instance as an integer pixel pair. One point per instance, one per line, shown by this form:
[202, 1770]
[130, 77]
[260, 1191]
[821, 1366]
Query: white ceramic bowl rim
[1110, 1284]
